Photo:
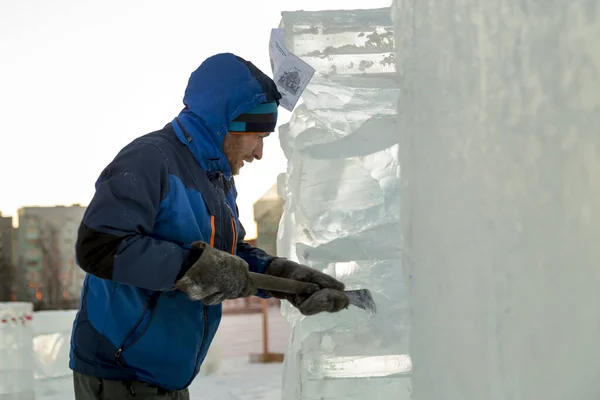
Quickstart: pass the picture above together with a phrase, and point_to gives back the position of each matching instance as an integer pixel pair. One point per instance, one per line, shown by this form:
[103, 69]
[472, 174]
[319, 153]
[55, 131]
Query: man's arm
[114, 240]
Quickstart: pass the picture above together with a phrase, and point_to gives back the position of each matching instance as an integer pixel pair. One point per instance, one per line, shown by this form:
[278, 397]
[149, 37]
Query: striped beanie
[261, 118]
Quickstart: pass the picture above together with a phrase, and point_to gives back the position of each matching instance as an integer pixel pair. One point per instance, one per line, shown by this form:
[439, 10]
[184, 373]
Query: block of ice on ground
[342, 210]
[52, 342]
[500, 143]
[16, 351]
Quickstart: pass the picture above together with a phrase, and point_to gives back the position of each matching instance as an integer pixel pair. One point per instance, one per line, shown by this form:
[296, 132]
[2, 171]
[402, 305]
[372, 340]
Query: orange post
[265, 325]
[265, 356]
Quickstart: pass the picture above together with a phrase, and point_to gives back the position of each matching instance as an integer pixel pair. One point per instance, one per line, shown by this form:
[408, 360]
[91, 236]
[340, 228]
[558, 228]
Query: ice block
[342, 208]
[16, 351]
[499, 122]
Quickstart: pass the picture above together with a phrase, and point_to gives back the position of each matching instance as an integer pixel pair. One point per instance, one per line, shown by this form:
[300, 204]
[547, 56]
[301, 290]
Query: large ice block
[342, 211]
[16, 351]
[500, 143]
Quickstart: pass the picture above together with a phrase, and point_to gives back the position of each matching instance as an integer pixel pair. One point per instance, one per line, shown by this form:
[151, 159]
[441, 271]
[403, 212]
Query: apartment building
[47, 271]
[7, 265]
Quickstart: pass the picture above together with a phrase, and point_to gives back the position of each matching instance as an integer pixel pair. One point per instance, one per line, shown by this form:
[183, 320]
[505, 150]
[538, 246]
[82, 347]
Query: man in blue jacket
[162, 244]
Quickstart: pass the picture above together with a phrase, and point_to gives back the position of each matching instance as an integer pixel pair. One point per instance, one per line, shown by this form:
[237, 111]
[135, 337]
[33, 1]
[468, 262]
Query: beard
[235, 169]
[233, 150]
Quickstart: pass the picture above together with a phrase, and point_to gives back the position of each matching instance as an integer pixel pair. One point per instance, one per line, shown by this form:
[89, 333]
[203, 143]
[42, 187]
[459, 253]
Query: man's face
[243, 147]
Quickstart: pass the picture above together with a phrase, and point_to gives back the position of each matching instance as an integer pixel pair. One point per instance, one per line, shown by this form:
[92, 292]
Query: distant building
[7, 265]
[267, 213]
[47, 271]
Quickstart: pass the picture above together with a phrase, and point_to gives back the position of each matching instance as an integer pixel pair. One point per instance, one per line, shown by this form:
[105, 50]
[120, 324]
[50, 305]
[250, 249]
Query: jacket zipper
[201, 346]
[220, 178]
[233, 224]
[149, 305]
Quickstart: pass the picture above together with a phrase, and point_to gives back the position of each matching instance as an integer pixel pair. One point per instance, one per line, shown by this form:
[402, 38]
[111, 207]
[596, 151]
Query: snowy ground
[235, 378]
[238, 380]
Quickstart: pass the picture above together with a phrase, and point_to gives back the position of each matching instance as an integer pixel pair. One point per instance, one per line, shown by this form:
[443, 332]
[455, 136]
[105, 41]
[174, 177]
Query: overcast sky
[80, 79]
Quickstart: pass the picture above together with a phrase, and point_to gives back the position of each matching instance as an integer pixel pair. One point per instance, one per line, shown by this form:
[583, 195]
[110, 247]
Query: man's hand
[330, 298]
[216, 276]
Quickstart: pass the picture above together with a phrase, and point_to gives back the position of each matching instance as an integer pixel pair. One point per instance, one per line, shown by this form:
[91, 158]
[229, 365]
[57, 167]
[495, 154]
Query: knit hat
[261, 118]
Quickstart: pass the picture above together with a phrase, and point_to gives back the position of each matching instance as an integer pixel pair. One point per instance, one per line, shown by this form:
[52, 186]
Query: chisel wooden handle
[284, 285]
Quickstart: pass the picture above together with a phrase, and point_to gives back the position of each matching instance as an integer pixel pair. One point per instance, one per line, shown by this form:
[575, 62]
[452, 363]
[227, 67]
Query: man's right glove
[216, 276]
[330, 298]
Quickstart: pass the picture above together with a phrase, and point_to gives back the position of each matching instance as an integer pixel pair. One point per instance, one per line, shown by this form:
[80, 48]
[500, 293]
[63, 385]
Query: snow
[499, 122]
[342, 209]
[226, 373]
[236, 380]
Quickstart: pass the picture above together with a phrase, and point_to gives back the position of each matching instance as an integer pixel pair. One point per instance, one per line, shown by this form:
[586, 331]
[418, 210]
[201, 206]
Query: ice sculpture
[342, 211]
[16, 351]
[500, 142]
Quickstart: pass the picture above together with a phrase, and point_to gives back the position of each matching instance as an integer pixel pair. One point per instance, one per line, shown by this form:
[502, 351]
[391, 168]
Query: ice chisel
[360, 298]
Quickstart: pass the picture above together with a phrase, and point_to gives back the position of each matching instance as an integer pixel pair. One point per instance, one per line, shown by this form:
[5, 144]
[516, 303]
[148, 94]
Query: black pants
[91, 388]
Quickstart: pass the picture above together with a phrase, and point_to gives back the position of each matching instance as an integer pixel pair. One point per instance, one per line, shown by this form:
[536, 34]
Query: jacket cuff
[191, 258]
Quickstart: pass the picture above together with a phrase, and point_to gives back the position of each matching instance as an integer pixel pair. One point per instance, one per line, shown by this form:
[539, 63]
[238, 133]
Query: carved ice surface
[342, 210]
[500, 141]
[359, 367]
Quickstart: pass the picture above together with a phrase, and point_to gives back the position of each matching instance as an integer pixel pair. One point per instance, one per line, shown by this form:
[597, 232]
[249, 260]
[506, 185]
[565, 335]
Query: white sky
[79, 79]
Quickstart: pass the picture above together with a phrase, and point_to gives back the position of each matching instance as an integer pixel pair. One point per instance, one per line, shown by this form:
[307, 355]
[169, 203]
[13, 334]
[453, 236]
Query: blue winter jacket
[162, 192]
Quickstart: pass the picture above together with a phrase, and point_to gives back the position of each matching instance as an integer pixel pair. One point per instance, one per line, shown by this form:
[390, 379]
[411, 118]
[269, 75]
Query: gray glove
[216, 276]
[330, 298]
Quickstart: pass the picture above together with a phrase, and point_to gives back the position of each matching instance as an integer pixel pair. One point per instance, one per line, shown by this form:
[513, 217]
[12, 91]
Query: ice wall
[341, 213]
[500, 141]
[16, 351]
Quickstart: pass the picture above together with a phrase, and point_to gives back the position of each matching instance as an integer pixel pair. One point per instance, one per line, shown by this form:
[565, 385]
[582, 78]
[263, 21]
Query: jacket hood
[223, 87]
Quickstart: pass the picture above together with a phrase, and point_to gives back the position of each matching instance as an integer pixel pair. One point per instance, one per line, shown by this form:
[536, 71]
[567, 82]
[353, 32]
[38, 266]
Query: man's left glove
[330, 298]
[216, 276]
